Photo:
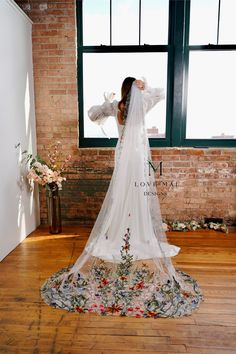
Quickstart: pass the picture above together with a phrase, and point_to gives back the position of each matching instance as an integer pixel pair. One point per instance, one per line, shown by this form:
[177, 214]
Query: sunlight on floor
[49, 237]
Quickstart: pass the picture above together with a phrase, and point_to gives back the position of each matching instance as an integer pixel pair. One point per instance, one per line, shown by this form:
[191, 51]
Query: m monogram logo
[155, 167]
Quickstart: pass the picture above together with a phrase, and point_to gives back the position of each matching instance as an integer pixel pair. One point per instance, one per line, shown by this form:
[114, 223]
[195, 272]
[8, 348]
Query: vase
[54, 209]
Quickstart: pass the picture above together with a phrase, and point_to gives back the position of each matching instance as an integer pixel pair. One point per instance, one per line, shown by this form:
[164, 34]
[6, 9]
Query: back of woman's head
[126, 86]
[125, 89]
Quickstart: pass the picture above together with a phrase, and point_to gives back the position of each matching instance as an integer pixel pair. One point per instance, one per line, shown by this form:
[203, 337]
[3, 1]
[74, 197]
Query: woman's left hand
[140, 84]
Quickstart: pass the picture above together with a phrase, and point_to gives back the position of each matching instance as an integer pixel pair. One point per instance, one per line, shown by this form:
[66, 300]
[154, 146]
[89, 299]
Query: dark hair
[125, 89]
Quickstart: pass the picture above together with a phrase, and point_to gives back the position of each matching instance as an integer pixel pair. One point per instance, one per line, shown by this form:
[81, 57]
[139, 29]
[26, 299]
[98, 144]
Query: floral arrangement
[216, 226]
[193, 225]
[48, 174]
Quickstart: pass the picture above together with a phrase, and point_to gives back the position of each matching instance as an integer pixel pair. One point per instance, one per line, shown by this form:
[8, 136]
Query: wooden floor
[27, 325]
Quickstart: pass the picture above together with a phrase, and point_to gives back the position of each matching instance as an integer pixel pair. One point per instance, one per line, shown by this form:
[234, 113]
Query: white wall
[19, 208]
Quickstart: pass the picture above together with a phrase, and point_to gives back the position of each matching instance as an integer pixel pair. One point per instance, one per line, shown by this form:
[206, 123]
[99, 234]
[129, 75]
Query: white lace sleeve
[151, 96]
[99, 114]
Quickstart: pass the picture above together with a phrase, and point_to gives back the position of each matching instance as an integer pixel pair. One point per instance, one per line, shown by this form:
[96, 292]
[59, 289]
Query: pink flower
[138, 315]
[130, 309]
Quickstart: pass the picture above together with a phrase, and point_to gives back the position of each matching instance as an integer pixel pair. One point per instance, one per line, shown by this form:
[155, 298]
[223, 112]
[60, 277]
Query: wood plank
[28, 325]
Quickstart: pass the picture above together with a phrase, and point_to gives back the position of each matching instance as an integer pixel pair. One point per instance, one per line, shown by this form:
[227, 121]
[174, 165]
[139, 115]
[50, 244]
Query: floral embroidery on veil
[127, 290]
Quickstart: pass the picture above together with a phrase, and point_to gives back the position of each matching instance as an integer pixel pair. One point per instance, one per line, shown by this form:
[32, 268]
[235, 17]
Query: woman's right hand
[109, 96]
[140, 84]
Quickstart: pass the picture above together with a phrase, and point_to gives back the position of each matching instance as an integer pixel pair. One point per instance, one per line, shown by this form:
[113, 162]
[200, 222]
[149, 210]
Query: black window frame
[178, 50]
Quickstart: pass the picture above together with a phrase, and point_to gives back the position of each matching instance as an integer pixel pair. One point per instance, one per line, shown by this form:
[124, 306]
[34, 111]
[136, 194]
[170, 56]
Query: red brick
[49, 46]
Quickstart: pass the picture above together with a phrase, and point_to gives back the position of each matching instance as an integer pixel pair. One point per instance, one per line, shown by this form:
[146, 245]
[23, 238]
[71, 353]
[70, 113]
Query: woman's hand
[140, 84]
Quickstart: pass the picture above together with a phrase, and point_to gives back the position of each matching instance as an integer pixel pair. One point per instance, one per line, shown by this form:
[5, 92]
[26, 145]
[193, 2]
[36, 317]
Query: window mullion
[110, 22]
[79, 19]
[218, 22]
[180, 19]
[139, 26]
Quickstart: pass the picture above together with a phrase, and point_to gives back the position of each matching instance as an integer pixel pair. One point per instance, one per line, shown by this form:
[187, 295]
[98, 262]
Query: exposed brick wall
[54, 59]
[196, 183]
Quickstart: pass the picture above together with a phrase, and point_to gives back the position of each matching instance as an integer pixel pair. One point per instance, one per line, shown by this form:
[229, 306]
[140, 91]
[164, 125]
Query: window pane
[227, 22]
[154, 21]
[203, 21]
[96, 22]
[125, 22]
[211, 112]
[104, 72]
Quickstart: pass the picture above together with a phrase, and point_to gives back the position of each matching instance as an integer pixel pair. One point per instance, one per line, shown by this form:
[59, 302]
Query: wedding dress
[125, 268]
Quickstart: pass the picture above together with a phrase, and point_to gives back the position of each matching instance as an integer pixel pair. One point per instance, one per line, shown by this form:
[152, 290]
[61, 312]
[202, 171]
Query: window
[119, 65]
[124, 22]
[96, 22]
[217, 19]
[162, 41]
[122, 38]
[206, 13]
[211, 112]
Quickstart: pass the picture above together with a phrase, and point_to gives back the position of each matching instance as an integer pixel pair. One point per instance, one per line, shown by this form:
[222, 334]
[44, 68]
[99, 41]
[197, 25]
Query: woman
[99, 114]
[125, 268]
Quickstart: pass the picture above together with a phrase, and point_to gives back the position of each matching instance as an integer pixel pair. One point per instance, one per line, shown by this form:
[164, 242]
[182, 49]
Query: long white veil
[127, 242]
[131, 200]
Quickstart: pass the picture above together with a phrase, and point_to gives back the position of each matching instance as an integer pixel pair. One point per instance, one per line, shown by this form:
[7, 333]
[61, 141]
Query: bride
[125, 268]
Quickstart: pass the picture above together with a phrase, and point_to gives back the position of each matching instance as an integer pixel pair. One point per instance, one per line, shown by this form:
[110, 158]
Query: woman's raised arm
[99, 114]
[151, 96]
